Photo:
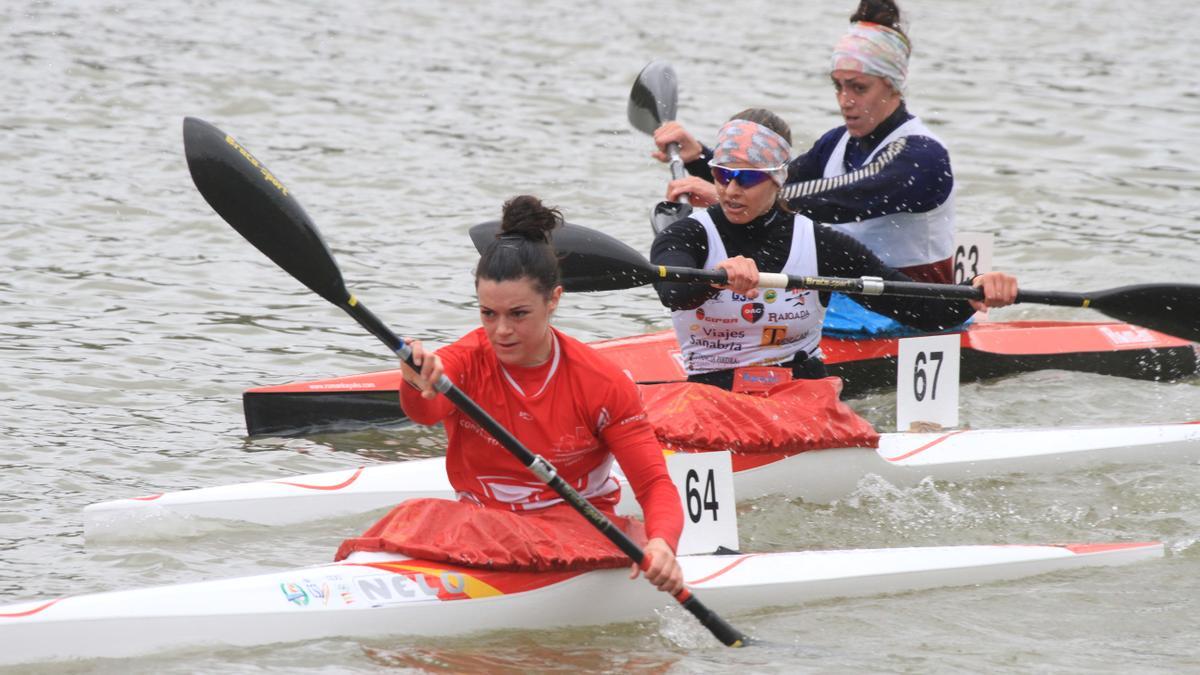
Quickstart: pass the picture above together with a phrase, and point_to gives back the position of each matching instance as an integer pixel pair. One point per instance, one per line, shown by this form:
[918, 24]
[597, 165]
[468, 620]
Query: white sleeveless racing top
[900, 239]
[731, 331]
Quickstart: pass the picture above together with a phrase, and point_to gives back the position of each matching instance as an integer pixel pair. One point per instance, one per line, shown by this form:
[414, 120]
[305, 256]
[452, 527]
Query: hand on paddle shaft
[252, 200]
[999, 290]
[595, 261]
[430, 369]
[742, 277]
[699, 191]
[661, 568]
[673, 132]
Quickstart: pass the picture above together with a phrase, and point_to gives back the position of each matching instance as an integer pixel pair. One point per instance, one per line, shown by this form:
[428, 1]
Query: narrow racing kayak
[816, 475]
[988, 350]
[382, 595]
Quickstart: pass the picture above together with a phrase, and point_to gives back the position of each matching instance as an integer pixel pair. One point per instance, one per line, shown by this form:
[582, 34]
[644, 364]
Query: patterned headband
[874, 49]
[750, 143]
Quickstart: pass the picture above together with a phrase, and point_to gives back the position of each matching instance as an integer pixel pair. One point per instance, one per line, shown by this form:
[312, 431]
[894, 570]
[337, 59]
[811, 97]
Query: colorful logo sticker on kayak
[318, 592]
[294, 593]
[308, 592]
[383, 589]
[413, 580]
[409, 581]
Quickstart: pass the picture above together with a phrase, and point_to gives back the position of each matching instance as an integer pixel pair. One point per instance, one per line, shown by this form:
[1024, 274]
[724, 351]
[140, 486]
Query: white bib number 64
[705, 484]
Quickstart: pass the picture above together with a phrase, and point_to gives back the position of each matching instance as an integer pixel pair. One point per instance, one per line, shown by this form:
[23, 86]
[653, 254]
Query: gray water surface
[131, 317]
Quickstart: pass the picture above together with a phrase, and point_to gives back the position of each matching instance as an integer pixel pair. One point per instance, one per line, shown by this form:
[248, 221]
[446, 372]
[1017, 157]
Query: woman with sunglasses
[883, 177]
[564, 401]
[724, 331]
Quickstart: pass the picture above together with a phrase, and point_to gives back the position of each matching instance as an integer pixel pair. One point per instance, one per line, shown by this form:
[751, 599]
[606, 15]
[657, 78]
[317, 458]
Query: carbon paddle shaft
[256, 204]
[544, 470]
[859, 286]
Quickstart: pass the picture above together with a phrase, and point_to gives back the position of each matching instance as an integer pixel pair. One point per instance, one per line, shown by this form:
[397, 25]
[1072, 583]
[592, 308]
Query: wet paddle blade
[249, 197]
[654, 97]
[589, 259]
[666, 213]
[1173, 309]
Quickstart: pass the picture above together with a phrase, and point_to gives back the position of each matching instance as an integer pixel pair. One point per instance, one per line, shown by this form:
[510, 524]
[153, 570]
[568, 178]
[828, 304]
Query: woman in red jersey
[564, 401]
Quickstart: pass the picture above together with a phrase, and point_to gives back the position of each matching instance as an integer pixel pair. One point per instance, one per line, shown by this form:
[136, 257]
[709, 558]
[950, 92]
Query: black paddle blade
[654, 97]
[1173, 309]
[666, 213]
[249, 197]
[590, 260]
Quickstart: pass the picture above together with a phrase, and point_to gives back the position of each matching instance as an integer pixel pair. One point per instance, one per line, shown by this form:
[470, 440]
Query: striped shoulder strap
[819, 185]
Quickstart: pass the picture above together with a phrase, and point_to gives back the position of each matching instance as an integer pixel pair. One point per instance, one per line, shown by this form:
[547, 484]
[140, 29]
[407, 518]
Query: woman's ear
[554, 296]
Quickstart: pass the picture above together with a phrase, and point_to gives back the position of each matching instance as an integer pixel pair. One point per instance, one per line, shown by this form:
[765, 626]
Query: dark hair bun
[883, 12]
[525, 215]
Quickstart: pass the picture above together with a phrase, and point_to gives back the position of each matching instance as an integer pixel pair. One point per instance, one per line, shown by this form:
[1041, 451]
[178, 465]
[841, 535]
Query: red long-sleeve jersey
[578, 410]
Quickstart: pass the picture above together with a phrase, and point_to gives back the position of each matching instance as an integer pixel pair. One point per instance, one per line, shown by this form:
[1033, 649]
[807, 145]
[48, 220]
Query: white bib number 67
[927, 381]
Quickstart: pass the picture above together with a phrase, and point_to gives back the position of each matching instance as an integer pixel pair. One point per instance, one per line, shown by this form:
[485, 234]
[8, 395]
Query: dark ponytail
[522, 247]
[883, 12]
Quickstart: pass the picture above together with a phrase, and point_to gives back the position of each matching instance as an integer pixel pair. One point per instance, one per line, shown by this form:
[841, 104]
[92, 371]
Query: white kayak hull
[906, 459]
[380, 595]
[817, 476]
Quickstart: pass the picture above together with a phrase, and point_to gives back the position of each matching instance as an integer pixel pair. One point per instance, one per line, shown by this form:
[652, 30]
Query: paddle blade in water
[251, 199]
[654, 97]
[590, 260]
[1173, 309]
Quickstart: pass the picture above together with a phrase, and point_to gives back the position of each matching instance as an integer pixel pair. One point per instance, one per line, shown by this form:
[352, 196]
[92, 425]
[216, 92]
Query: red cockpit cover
[793, 417]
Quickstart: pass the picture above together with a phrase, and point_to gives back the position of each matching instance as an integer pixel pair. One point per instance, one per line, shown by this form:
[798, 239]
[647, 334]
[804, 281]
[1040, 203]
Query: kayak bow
[378, 595]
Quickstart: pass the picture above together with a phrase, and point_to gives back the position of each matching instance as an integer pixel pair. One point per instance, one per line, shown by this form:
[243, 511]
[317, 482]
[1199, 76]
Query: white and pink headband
[874, 49]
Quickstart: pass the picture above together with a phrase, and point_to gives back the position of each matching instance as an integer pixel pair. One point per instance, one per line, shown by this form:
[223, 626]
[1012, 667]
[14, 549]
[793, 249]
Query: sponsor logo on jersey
[724, 333]
[770, 296]
[773, 336]
[712, 319]
[753, 311]
[788, 316]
